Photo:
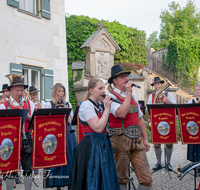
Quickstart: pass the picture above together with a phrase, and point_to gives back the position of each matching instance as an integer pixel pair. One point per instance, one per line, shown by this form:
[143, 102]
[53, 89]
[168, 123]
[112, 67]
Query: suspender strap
[9, 104]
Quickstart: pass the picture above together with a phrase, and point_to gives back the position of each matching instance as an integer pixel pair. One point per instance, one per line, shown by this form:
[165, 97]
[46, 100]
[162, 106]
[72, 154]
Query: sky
[140, 14]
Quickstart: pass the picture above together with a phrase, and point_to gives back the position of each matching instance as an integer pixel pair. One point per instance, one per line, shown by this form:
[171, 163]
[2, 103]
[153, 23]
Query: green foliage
[72, 96]
[130, 40]
[184, 54]
[154, 42]
[78, 76]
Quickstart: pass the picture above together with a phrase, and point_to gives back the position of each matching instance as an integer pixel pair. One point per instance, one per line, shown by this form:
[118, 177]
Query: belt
[132, 131]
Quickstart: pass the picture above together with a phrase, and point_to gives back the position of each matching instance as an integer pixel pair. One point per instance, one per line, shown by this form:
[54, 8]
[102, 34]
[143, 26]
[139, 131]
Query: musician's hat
[157, 79]
[4, 87]
[17, 81]
[116, 70]
[32, 90]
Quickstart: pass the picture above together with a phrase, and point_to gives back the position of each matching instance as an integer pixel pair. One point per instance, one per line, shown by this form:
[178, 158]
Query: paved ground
[161, 179]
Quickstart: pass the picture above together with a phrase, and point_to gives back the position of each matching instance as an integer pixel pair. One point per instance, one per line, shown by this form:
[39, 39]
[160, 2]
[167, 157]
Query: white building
[33, 43]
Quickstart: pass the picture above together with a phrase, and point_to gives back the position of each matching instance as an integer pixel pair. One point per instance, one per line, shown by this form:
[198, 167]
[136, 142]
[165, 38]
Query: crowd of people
[114, 134]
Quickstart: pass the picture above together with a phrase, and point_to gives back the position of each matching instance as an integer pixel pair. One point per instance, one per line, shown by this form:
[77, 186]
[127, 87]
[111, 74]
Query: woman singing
[62, 176]
[94, 167]
[193, 151]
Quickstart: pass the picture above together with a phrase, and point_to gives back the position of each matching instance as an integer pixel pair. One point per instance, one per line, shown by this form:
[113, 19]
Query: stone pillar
[150, 60]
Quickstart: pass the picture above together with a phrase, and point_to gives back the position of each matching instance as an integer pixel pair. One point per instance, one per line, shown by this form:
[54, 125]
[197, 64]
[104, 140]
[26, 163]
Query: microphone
[114, 100]
[135, 85]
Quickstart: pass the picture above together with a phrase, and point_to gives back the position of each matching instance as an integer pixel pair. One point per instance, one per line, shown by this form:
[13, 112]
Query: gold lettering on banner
[195, 138]
[49, 159]
[6, 133]
[49, 130]
[49, 123]
[164, 137]
[60, 135]
[15, 139]
[155, 123]
[164, 118]
[39, 138]
[183, 123]
[171, 122]
[190, 117]
[189, 113]
[4, 165]
[163, 114]
[8, 127]
[198, 122]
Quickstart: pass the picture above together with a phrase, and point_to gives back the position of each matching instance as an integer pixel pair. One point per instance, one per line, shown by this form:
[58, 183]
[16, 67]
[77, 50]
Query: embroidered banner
[10, 144]
[163, 126]
[50, 144]
[189, 119]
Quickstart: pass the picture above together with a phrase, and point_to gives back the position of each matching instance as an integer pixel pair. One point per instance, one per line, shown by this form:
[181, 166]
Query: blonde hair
[91, 85]
[197, 85]
[55, 91]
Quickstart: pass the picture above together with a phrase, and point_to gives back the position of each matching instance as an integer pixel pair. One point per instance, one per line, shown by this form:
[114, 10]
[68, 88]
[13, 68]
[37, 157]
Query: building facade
[33, 43]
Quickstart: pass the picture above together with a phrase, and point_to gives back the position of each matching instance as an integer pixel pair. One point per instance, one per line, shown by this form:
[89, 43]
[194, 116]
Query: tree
[179, 22]
[153, 41]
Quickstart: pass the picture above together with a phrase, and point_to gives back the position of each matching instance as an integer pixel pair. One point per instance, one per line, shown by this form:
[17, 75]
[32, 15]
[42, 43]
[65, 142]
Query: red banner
[163, 126]
[189, 119]
[10, 144]
[50, 144]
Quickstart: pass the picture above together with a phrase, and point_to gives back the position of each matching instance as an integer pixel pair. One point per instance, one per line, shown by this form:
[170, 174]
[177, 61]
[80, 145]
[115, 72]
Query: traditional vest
[25, 105]
[85, 127]
[131, 117]
[158, 99]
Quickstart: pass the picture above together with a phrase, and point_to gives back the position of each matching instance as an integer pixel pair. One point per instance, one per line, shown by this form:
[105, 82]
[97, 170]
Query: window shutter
[15, 68]
[48, 84]
[45, 9]
[14, 3]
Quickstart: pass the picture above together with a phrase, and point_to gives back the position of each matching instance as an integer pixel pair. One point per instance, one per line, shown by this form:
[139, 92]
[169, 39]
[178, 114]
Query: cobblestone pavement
[161, 179]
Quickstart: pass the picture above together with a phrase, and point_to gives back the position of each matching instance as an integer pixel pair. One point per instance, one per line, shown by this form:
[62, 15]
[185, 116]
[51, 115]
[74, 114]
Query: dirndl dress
[94, 167]
[62, 176]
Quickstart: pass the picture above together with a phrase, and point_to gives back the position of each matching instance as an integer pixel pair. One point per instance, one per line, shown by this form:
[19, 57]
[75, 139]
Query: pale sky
[140, 14]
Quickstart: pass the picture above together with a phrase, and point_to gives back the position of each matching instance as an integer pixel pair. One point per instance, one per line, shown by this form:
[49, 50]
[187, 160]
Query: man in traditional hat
[5, 91]
[33, 91]
[125, 130]
[166, 98]
[15, 102]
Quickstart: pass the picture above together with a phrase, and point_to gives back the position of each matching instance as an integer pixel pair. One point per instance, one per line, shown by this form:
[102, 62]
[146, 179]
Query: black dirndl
[94, 167]
[62, 176]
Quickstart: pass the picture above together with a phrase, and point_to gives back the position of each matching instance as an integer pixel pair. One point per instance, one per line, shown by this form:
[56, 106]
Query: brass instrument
[26, 96]
[38, 102]
[11, 76]
[198, 100]
[159, 92]
[24, 138]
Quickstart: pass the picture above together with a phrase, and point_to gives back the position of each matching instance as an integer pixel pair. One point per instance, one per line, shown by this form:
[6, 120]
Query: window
[28, 5]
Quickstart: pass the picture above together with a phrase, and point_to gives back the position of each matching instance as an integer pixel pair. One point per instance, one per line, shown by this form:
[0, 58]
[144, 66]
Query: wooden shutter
[48, 84]
[13, 3]
[15, 68]
[45, 9]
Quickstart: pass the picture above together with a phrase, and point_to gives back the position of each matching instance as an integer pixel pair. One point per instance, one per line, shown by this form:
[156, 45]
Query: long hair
[55, 91]
[91, 85]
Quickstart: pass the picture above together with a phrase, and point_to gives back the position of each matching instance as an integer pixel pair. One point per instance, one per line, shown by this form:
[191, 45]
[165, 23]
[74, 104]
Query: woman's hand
[107, 102]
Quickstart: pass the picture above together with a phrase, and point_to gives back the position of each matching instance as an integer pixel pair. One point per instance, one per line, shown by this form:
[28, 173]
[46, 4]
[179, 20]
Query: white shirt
[42, 103]
[169, 95]
[48, 105]
[87, 111]
[115, 106]
[190, 101]
[16, 104]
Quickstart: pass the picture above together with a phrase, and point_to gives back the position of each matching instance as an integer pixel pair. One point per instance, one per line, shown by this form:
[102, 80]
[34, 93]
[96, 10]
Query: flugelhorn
[11, 76]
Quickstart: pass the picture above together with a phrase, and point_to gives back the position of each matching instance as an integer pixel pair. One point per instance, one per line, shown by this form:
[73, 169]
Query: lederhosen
[55, 178]
[193, 148]
[94, 165]
[26, 154]
[161, 99]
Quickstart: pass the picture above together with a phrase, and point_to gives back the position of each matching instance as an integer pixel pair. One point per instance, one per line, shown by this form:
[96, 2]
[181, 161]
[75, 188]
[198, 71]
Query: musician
[5, 91]
[33, 92]
[125, 129]
[166, 98]
[2, 99]
[94, 165]
[193, 151]
[58, 95]
[16, 89]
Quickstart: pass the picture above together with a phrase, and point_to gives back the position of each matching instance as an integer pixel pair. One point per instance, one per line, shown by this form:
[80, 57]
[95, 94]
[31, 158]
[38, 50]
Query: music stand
[149, 106]
[38, 112]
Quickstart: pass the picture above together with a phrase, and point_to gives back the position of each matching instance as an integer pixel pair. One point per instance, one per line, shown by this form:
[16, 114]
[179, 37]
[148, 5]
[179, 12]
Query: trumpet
[38, 102]
[24, 138]
[71, 130]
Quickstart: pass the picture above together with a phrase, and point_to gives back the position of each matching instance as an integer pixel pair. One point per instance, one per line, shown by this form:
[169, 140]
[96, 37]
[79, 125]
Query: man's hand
[166, 100]
[147, 145]
[28, 117]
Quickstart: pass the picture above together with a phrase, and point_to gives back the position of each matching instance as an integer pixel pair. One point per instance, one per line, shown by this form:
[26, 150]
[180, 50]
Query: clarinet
[24, 138]
[71, 130]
